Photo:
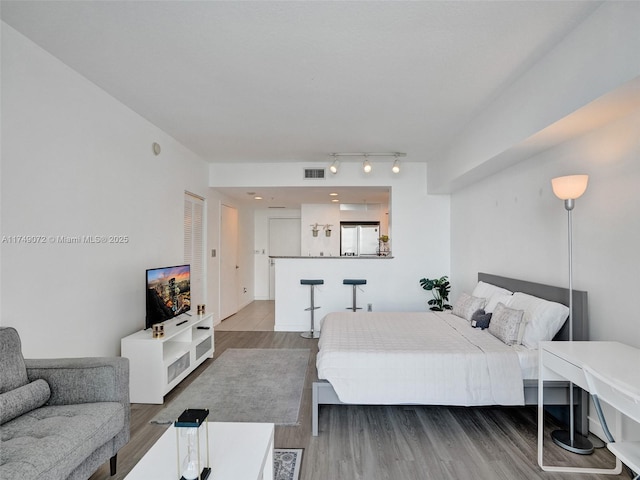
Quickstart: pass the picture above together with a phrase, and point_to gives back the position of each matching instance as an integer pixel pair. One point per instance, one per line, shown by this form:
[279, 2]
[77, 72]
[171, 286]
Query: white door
[228, 261]
[284, 240]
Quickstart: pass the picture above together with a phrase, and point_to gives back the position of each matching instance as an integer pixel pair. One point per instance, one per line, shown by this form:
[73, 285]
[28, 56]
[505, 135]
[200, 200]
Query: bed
[437, 358]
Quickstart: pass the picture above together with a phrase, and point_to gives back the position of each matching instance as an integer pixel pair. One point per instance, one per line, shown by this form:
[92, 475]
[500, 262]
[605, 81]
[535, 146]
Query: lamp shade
[569, 187]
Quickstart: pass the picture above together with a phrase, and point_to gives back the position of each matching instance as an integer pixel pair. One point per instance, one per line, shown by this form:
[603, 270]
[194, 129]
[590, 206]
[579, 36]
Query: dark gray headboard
[553, 294]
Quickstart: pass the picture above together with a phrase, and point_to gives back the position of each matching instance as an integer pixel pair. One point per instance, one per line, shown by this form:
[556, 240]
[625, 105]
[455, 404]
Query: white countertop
[325, 257]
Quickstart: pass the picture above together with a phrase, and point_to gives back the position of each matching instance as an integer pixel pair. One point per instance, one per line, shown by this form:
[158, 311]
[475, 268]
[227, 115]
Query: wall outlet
[369, 307]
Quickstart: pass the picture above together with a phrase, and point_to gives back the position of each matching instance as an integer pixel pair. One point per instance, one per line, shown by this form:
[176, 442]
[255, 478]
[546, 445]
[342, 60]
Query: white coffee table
[239, 451]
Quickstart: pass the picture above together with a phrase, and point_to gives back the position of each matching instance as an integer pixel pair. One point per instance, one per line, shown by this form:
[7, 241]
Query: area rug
[246, 385]
[286, 463]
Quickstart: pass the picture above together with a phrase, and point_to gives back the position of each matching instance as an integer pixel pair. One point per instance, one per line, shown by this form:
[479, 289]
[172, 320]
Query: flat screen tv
[168, 293]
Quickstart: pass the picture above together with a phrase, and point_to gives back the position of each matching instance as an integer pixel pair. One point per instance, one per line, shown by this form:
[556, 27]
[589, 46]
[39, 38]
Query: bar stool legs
[311, 333]
[354, 283]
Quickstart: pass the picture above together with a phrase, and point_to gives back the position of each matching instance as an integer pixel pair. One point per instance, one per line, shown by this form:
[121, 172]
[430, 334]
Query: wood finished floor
[386, 442]
[257, 316]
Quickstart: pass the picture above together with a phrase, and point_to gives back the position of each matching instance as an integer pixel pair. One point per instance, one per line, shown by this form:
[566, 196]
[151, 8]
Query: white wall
[597, 57]
[261, 247]
[511, 224]
[419, 227]
[322, 214]
[77, 162]
[246, 261]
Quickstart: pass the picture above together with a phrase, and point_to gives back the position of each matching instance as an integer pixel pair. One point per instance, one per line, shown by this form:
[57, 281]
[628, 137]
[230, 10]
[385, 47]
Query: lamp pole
[571, 441]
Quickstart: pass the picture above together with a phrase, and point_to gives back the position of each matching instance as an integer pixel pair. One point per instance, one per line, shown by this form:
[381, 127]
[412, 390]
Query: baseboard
[291, 327]
[242, 305]
[596, 428]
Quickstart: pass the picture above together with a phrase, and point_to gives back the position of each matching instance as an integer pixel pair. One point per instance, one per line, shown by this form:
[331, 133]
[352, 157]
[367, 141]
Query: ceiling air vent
[314, 174]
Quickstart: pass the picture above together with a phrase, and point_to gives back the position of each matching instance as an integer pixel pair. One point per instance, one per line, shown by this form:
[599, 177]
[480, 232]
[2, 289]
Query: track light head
[366, 166]
[396, 166]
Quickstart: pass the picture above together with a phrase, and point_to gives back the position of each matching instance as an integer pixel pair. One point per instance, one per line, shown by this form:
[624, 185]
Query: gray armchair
[63, 418]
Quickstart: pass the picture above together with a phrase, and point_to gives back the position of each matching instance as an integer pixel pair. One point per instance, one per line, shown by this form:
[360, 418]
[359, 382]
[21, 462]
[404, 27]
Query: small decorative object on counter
[327, 230]
[158, 330]
[383, 246]
[314, 229]
[201, 309]
[192, 444]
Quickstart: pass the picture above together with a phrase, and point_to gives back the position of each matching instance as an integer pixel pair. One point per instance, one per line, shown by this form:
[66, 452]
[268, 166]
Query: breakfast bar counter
[344, 257]
[292, 298]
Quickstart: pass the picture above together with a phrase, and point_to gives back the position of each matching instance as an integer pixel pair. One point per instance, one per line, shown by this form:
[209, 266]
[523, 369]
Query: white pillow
[492, 294]
[495, 299]
[486, 290]
[543, 319]
[467, 305]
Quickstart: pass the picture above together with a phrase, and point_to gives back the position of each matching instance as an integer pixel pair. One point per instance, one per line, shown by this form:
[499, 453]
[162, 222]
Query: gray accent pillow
[480, 319]
[467, 305]
[23, 399]
[505, 323]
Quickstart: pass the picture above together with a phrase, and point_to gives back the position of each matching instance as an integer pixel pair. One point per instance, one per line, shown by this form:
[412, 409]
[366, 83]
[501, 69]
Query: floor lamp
[568, 189]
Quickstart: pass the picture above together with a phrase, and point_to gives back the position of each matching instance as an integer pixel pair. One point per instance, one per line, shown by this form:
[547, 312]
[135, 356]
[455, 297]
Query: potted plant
[383, 245]
[440, 288]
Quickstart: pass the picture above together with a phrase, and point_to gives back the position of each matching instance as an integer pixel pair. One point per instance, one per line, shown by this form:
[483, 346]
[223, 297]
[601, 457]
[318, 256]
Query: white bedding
[416, 357]
[528, 358]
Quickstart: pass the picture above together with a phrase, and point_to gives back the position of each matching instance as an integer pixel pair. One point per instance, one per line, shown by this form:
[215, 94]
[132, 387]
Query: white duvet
[416, 357]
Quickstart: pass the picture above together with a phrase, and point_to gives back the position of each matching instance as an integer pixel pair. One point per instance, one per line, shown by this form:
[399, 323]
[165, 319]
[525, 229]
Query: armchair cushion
[50, 442]
[23, 399]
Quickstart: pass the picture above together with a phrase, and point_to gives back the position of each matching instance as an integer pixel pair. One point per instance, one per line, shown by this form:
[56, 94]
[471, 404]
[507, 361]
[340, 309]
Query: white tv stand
[157, 365]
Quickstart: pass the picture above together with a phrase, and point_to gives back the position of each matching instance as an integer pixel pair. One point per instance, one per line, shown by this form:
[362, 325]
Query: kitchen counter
[292, 298]
[346, 257]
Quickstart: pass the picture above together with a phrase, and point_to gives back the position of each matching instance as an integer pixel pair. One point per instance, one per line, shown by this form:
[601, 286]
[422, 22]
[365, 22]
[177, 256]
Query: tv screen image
[168, 293]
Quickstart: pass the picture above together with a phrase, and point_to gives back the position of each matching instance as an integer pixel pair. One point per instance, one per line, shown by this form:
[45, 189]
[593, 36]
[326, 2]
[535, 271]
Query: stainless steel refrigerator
[359, 239]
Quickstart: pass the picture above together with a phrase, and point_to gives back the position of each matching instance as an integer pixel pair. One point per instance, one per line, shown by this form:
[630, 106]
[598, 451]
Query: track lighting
[366, 166]
[396, 166]
[334, 166]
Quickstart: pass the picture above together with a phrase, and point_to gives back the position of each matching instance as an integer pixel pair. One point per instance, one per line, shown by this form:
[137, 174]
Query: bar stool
[354, 283]
[312, 333]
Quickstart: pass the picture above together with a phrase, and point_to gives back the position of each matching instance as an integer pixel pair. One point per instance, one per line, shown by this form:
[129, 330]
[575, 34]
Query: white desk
[239, 451]
[564, 360]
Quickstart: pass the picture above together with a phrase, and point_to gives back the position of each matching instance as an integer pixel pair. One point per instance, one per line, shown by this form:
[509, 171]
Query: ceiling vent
[314, 174]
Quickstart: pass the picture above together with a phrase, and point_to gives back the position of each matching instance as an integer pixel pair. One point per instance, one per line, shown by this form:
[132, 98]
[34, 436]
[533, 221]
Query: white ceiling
[292, 197]
[292, 81]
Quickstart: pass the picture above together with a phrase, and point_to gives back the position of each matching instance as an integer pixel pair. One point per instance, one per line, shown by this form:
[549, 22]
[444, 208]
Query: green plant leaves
[440, 288]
